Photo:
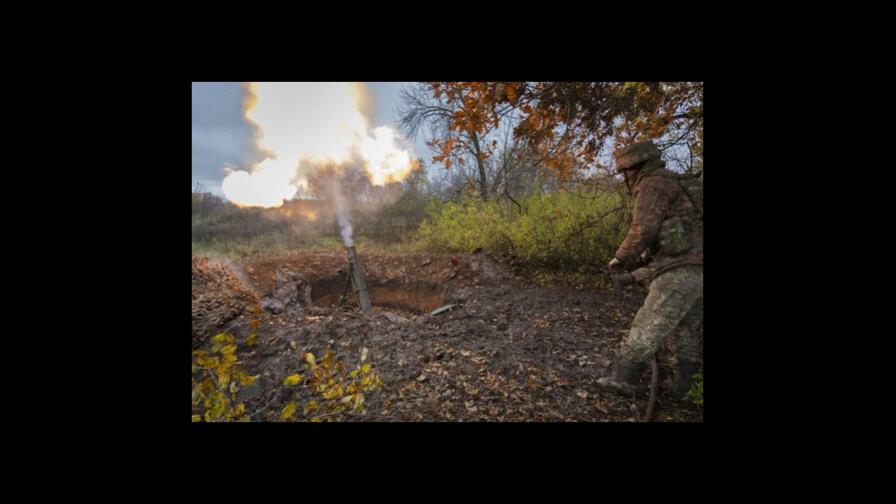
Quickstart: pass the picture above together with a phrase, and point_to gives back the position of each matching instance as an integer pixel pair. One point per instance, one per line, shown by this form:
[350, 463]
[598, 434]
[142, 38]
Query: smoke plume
[303, 125]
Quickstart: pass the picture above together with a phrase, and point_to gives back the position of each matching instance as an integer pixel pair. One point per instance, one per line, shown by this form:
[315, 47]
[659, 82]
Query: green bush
[561, 229]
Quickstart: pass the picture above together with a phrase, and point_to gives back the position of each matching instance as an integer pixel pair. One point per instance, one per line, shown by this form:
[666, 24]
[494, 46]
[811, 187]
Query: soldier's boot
[684, 378]
[624, 379]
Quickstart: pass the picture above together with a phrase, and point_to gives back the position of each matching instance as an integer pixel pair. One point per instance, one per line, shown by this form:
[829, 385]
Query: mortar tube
[358, 278]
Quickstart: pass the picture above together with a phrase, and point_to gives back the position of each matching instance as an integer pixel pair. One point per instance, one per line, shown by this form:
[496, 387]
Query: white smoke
[326, 177]
[345, 225]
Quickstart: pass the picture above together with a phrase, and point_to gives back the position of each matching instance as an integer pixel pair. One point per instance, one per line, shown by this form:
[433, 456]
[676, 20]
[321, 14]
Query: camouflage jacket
[665, 223]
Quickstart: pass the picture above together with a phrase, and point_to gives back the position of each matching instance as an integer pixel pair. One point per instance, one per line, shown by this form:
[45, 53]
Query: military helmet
[635, 153]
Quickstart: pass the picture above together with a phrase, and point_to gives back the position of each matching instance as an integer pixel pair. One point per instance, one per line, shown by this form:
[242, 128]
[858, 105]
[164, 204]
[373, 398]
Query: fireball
[305, 124]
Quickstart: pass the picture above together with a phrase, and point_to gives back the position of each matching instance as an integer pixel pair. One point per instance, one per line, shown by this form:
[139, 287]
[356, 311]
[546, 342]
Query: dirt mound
[218, 297]
[486, 268]
[454, 270]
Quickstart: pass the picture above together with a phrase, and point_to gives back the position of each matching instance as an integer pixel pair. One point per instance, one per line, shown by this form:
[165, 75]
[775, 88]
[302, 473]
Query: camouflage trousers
[674, 307]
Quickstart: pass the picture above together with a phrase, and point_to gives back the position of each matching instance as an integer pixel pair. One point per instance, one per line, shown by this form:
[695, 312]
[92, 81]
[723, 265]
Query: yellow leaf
[208, 362]
[248, 380]
[197, 418]
[310, 358]
[288, 410]
[293, 379]
[227, 360]
[233, 387]
[315, 419]
[240, 409]
[252, 339]
[365, 368]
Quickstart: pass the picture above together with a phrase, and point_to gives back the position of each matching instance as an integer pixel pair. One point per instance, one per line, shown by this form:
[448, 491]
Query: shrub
[216, 380]
[560, 229]
[330, 387]
[335, 388]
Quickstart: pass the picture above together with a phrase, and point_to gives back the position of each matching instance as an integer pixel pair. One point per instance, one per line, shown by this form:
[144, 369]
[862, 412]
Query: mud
[518, 346]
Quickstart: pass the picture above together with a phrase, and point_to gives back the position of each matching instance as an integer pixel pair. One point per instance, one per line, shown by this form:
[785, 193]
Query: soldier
[668, 225]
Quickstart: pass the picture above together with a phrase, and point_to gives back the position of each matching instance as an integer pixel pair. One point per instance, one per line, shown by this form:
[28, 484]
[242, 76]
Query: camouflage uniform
[668, 225]
[674, 306]
[665, 222]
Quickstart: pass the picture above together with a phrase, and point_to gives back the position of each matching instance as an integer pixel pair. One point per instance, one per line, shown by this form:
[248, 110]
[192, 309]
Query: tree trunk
[483, 182]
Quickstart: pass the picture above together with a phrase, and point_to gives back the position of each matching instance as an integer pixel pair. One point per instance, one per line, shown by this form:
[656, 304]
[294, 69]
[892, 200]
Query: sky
[221, 135]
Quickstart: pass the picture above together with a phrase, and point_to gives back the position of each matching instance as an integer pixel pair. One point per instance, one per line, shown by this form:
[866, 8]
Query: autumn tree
[570, 126]
[441, 113]
[516, 169]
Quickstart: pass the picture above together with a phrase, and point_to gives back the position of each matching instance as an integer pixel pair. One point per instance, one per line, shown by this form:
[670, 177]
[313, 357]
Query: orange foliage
[569, 123]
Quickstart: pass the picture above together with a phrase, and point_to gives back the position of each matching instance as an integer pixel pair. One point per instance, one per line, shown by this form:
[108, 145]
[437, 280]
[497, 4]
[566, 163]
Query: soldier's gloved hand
[614, 263]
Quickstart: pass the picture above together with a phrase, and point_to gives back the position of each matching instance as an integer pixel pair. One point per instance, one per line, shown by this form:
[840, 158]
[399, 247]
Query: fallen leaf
[288, 411]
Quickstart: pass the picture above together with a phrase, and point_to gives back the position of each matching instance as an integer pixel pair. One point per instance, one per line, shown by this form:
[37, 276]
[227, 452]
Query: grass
[276, 245]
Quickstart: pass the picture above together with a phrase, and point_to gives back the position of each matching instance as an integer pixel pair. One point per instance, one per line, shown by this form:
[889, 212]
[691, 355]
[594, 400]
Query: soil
[219, 296]
[518, 345]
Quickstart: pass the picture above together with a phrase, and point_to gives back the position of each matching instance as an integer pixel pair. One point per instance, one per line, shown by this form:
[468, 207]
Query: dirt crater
[412, 296]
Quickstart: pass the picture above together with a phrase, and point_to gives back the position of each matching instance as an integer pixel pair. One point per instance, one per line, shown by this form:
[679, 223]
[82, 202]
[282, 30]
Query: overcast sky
[221, 135]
